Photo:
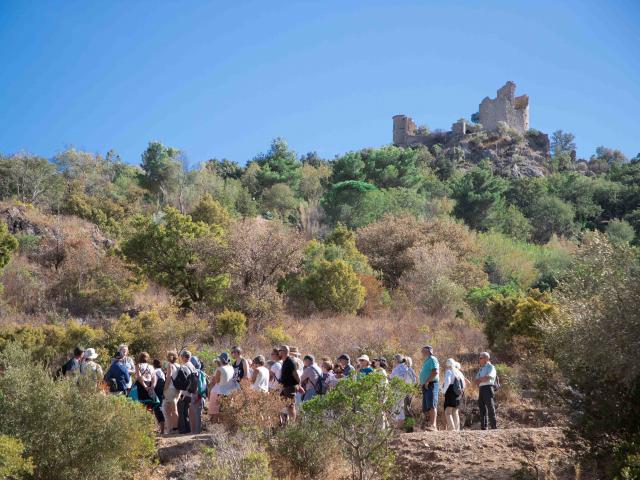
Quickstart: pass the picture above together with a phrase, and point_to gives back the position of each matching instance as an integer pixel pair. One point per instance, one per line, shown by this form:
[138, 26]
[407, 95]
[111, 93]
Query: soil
[518, 453]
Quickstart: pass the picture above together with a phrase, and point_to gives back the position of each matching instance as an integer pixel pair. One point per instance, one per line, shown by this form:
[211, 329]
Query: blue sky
[221, 79]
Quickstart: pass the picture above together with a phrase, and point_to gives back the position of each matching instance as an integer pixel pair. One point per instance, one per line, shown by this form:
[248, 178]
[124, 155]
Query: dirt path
[523, 453]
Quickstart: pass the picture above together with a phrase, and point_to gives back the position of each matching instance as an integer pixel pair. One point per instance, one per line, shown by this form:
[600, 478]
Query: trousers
[183, 415]
[487, 407]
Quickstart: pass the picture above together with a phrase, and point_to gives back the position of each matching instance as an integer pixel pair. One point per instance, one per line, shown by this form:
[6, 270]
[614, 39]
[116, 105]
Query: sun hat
[344, 356]
[294, 351]
[90, 354]
[364, 358]
[428, 347]
[224, 357]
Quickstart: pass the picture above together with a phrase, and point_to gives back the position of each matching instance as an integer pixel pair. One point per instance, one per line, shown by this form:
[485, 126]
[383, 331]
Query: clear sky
[221, 79]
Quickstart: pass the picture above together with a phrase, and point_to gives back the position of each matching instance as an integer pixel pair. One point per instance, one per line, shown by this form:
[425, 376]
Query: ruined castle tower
[506, 107]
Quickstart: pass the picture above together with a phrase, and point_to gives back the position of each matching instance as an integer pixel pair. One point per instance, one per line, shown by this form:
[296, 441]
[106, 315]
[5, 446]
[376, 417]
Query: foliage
[476, 192]
[355, 413]
[594, 338]
[8, 244]
[160, 169]
[508, 220]
[13, 463]
[231, 324]
[250, 410]
[278, 165]
[168, 251]
[68, 430]
[620, 231]
[234, 459]
[305, 449]
[551, 216]
[333, 285]
[211, 212]
[517, 318]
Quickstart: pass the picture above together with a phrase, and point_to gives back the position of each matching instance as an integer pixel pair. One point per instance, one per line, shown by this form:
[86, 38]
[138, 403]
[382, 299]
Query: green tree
[278, 165]
[179, 253]
[550, 215]
[620, 231]
[508, 219]
[476, 192]
[280, 199]
[334, 286]
[211, 212]
[232, 324]
[354, 413]
[8, 244]
[160, 169]
[30, 179]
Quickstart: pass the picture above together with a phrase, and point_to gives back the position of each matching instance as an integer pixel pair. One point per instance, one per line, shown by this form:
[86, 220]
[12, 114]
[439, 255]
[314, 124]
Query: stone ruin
[506, 107]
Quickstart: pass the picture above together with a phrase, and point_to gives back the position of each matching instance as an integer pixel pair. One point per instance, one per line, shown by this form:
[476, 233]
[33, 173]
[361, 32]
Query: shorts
[430, 396]
[288, 392]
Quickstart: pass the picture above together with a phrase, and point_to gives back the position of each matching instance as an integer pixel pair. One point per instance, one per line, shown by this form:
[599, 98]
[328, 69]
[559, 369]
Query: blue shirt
[430, 364]
[120, 373]
[487, 370]
[366, 371]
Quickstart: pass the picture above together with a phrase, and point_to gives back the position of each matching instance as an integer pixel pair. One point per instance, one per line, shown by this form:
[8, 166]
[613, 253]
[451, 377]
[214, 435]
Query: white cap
[365, 358]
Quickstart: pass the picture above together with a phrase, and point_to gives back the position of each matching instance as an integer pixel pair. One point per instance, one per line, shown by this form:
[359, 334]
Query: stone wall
[506, 107]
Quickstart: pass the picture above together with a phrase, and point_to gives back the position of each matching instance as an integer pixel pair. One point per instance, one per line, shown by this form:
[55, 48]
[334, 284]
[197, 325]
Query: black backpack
[458, 387]
[194, 380]
[181, 382]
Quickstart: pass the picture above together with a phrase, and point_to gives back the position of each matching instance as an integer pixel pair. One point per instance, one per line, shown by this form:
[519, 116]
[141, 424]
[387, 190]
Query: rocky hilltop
[499, 132]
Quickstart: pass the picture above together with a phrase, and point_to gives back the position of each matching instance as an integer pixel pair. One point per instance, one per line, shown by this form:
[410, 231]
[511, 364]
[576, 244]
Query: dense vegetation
[160, 256]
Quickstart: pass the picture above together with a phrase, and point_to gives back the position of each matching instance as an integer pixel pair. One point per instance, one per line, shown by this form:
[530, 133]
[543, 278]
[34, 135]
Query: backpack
[194, 382]
[458, 387]
[320, 387]
[181, 382]
[496, 384]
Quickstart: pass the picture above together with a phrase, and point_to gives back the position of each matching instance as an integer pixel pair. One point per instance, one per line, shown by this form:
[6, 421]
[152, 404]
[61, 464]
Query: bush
[231, 324]
[620, 231]
[355, 413]
[334, 286]
[234, 459]
[13, 463]
[250, 410]
[8, 244]
[69, 431]
[306, 450]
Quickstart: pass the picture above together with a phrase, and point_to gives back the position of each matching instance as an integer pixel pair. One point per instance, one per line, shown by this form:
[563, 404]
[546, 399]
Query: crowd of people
[178, 390]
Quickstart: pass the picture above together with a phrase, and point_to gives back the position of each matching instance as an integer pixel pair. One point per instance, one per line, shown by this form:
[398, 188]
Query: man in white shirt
[274, 371]
[486, 380]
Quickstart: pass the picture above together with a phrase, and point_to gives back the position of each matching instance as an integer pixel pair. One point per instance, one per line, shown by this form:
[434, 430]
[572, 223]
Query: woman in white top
[260, 375]
[453, 388]
[170, 394]
[274, 371]
[222, 384]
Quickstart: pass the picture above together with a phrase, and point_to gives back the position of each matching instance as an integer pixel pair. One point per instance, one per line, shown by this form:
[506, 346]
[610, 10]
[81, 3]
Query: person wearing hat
[118, 375]
[364, 365]
[90, 371]
[311, 378]
[344, 361]
[429, 382]
[222, 384]
[486, 381]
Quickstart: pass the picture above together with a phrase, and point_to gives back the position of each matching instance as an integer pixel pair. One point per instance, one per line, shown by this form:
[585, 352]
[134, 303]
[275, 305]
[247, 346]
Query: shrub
[355, 413]
[69, 431]
[234, 459]
[8, 244]
[335, 286]
[276, 335]
[250, 410]
[305, 449]
[211, 212]
[620, 231]
[231, 324]
[13, 463]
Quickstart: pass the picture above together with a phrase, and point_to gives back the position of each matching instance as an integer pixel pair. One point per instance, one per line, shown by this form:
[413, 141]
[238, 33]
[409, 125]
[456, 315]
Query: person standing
[453, 388]
[170, 393]
[129, 363]
[118, 375]
[429, 382]
[223, 385]
[197, 396]
[260, 375]
[486, 381]
[71, 368]
[184, 399]
[364, 365]
[311, 379]
[90, 371]
[240, 366]
[290, 381]
[274, 370]
[344, 361]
